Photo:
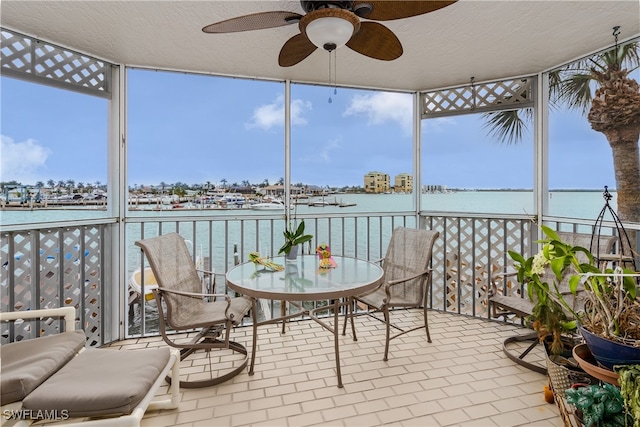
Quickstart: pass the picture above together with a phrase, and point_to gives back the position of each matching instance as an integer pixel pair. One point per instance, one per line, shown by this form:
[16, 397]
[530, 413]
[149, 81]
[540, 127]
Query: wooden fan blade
[295, 50]
[376, 41]
[255, 21]
[386, 10]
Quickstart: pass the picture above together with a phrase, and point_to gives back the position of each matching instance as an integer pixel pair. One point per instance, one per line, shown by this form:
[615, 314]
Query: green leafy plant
[600, 405]
[293, 234]
[543, 274]
[629, 380]
[609, 309]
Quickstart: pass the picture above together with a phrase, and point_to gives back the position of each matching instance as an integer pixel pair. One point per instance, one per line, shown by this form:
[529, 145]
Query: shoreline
[189, 205]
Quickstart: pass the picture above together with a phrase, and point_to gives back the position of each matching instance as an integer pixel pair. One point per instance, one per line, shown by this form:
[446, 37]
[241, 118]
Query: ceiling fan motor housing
[329, 28]
[330, 24]
[310, 5]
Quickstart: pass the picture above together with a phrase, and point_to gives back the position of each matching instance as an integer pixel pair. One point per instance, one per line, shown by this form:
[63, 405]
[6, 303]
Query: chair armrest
[207, 272]
[196, 294]
[405, 279]
[211, 277]
[68, 313]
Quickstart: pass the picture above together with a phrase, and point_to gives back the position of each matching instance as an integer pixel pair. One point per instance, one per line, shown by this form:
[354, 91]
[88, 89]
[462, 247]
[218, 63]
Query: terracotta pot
[589, 364]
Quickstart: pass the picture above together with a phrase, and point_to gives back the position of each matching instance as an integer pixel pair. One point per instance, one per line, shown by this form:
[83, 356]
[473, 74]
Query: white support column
[117, 205]
[417, 143]
[541, 146]
[287, 148]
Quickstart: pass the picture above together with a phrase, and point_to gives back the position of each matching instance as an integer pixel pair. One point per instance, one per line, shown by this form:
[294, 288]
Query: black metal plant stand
[625, 254]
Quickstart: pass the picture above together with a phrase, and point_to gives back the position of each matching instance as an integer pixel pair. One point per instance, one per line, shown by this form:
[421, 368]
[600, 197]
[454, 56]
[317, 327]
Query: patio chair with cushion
[520, 306]
[183, 306]
[54, 378]
[405, 282]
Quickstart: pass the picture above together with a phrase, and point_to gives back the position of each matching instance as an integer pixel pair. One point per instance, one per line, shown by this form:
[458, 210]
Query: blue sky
[198, 129]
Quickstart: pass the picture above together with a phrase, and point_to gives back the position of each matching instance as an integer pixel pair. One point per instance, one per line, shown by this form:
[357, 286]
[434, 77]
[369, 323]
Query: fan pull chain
[335, 72]
[335, 86]
[330, 100]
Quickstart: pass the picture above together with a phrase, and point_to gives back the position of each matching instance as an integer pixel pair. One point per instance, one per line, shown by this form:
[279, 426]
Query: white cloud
[384, 107]
[20, 161]
[270, 115]
[438, 125]
[323, 154]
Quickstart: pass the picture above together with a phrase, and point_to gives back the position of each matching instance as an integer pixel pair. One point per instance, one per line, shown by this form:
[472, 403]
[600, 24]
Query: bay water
[569, 204]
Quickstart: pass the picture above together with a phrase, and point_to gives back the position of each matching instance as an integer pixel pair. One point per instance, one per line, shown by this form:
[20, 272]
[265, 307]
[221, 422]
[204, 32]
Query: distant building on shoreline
[403, 183]
[380, 182]
[376, 182]
[434, 189]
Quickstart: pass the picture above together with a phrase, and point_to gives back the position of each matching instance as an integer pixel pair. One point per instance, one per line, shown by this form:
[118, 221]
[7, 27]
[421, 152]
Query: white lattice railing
[492, 96]
[55, 267]
[27, 57]
[46, 267]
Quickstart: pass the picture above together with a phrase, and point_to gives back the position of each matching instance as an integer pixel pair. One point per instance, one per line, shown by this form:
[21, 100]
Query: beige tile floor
[462, 378]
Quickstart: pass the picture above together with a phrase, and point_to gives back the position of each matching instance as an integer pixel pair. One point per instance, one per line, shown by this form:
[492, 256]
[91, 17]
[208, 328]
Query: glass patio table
[304, 280]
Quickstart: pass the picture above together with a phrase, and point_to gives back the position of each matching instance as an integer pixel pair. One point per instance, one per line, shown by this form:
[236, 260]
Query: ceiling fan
[332, 24]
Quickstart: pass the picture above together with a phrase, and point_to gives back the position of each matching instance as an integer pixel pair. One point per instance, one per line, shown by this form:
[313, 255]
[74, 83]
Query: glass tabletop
[304, 280]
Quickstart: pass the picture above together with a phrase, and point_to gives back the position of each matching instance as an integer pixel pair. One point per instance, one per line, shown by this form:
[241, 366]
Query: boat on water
[230, 199]
[272, 205]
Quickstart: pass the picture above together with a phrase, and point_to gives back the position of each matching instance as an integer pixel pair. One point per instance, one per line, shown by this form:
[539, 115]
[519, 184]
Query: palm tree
[613, 110]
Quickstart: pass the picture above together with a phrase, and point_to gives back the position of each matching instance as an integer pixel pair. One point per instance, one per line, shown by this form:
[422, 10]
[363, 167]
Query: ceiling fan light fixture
[329, 29]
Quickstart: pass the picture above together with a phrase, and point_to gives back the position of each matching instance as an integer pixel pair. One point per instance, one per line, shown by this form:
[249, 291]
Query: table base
[312, 314]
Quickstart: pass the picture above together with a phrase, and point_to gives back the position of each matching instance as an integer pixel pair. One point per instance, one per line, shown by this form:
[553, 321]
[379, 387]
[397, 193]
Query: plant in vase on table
[293, 236]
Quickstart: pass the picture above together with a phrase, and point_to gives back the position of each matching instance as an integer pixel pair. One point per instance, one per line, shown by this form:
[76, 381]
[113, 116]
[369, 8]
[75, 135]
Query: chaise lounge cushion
[100, 382]
[28, 363]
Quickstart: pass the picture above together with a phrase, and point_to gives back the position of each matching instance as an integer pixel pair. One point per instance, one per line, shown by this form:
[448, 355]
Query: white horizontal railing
[71, 264]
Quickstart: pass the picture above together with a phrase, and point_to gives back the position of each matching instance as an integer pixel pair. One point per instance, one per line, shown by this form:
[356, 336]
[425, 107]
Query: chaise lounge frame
[131, 419]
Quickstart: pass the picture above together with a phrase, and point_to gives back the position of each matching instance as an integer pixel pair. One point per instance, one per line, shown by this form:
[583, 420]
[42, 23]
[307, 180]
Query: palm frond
[576, 93]
[506, 126]
[571, 86]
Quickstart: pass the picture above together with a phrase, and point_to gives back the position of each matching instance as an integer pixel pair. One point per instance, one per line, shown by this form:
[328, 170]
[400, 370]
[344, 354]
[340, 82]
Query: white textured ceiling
[484, 39]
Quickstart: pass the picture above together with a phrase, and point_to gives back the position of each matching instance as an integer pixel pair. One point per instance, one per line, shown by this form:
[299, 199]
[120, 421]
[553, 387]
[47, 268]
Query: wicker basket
[564, 371]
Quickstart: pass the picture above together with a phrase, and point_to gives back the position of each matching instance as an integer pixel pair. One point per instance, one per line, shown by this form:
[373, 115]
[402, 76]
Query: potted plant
[543, 274]
[610, 320]
[610, 310]
[293, 236]
[599, 405]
